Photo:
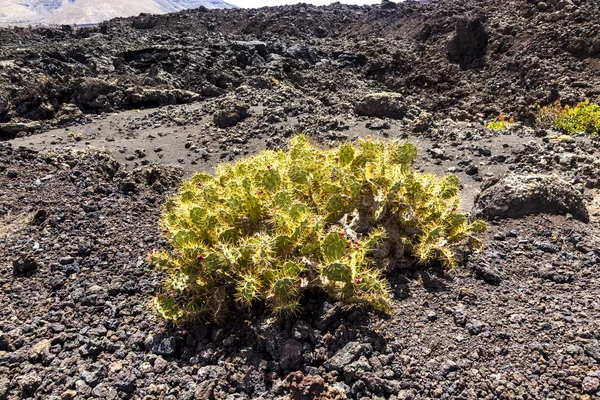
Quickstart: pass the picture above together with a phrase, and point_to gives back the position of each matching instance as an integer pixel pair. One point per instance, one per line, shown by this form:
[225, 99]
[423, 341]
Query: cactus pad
[333, 246]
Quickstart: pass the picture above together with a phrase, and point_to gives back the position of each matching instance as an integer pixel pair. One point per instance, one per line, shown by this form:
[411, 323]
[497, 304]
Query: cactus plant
[268, 227]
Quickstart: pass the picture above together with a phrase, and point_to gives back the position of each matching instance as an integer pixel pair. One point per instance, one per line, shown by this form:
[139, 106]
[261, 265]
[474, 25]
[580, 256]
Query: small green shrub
[583, 117]
[500, 123]
[268, 227]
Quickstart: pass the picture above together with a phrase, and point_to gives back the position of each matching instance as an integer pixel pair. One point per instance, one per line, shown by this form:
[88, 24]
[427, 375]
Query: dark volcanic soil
[165, 96]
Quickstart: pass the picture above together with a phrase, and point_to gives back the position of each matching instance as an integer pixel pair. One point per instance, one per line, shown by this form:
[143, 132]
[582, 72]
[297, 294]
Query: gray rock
[11, 129]
[205, 389]
[4, 102]
[298, 51]
[72, 269]
[557, 275]
[160, 365]
[592, 350]
[164, 346]
[546, 247]
[211, 372]
[472, 170]
[82, 389]
[349, 353]
[574, 349]
[521, 195]
[447, 367]
[230, 114]
[431, 316]
[127, 186]
[437, 153]
[378, 125]
[40, 351]
[460, 316]
[475, 327]
[488, 273]
[125, 383]
[68, 113]
[382, 105]
[328, 314]
[93, 93]
[469, 44]
[144, 21]
[103, 391]
[90, 377]
[342, 387]
[590, 384]
[301, 330]
[356, 369]
[406, 394]
[84, 249]
[30, 382]
[268, 336]
[290, 355]
[66, 260]
[377, 385]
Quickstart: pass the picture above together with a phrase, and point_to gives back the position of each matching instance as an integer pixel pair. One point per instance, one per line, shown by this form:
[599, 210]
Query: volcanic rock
[25, 265]
[230, 114]
[290, 354]
[382, 105]
[312, 387]
[520, 195]
[469, 43]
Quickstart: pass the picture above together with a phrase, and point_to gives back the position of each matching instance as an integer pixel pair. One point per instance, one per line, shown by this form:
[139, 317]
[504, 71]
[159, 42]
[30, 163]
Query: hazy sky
[263, 3]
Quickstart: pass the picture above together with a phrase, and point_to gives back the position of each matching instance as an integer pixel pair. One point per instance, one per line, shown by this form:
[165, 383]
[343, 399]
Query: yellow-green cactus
[267, 227]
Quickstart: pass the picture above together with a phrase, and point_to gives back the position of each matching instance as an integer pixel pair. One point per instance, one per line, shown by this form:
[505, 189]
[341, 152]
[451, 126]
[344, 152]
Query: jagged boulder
[68, 113]
[230, 114]
[382, 105]
[468, 45]
[144, 21]
[517, 196]
[94, 93]
[10, 130]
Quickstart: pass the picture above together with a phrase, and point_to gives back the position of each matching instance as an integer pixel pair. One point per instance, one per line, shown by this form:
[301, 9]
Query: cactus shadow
[256, 336]
[431, 278]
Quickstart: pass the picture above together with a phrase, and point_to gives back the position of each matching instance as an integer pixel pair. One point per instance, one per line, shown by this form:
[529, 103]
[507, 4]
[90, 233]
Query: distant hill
[59, 12]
